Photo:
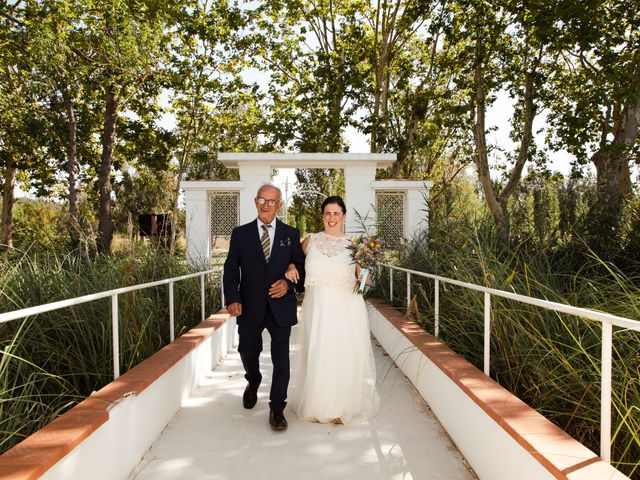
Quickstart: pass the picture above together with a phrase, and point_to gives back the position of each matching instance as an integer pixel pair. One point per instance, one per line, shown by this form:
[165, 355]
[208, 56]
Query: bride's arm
[305, 244]
[292, 273]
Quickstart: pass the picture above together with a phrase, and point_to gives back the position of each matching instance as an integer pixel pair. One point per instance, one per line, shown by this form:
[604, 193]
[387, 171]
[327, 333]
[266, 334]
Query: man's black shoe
[277, 420]
[250, 396]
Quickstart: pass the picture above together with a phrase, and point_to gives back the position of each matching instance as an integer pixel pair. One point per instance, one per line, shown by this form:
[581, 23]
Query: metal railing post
[487, 333]
[115, 336]
[172, 330]
[408, 289]
[391, 284]
[222, 302]
[436, 306]
[202, 295]
[605, 394]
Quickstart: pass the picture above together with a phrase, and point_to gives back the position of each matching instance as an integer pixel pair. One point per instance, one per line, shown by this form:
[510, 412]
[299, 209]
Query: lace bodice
[328, 262]
[329, 245]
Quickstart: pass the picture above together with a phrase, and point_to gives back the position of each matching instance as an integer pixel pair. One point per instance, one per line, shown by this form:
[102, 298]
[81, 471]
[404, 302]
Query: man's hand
[235, 309]
[279, 288]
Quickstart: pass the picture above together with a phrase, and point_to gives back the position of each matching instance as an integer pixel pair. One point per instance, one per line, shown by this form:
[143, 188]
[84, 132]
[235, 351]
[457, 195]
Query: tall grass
[549, 360]
[50, 362]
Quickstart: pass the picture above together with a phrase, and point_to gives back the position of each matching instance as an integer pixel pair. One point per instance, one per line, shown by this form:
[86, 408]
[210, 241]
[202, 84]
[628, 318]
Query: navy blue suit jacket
[247, 276]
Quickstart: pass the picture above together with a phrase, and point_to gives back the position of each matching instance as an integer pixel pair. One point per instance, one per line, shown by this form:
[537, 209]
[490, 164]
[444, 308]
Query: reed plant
[50, 362]
[549, 360]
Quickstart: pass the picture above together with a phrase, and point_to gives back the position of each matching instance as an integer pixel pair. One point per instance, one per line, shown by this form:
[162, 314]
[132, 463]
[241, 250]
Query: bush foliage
[549, 360]
[52, 361]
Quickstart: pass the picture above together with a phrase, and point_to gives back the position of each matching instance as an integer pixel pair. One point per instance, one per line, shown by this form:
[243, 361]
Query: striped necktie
[266, 249]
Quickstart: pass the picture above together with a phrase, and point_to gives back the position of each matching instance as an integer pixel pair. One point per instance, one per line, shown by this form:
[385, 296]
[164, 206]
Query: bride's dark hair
[334, 199]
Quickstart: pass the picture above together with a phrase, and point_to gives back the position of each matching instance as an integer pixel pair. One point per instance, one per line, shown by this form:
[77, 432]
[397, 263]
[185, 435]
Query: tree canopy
[89, 87]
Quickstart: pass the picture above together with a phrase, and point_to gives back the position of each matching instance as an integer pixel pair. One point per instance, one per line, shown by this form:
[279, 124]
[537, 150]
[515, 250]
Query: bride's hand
[369, 280]
[292, 273]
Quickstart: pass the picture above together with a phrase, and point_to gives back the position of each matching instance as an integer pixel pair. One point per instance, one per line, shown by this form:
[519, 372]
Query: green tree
[424, 120]
[499, 51]
[127, 44]
[23, 126]
[141, 191]
[596, 105]
[394, 26]
[314, 55]
[314, 185]
[60, 66]
[214, 108]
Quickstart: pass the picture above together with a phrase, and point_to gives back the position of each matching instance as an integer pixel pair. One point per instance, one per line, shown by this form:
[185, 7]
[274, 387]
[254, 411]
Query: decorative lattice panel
[390, 209]
[224, 208]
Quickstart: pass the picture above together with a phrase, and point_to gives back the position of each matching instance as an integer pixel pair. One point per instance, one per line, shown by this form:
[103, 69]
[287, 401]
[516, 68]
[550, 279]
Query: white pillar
[197, 224]
[416, 213]
[253, 176]
[359, 196]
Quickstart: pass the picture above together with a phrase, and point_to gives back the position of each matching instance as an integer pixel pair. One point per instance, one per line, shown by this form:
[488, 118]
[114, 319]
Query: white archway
[207, 218]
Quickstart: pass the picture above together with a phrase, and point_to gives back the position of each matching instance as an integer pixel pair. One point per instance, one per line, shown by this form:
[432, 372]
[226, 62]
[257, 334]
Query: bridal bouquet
[365, 251]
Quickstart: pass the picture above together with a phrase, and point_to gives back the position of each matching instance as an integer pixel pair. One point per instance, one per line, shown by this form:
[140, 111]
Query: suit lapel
[280, 234]
[254, 238]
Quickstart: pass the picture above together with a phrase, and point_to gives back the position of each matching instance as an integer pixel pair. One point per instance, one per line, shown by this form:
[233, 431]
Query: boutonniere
[286, 242]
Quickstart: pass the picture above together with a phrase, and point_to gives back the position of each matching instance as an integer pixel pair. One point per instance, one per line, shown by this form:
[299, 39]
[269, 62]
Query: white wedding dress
[333, 367]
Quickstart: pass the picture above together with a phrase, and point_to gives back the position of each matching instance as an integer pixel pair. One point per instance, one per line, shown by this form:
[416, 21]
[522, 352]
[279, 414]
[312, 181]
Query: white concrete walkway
[214, 437]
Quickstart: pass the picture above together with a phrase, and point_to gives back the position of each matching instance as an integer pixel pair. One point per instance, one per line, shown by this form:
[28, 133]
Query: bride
[334, 372]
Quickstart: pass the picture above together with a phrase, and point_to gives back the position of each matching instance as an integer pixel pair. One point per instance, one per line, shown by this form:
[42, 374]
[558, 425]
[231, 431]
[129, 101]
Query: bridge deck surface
[214, 437]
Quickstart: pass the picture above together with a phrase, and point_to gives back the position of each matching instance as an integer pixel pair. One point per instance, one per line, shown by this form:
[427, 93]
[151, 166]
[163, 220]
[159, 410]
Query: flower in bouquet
[366, 252]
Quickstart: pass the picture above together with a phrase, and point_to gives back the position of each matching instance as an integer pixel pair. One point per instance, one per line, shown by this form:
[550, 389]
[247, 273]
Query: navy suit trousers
[250, 347]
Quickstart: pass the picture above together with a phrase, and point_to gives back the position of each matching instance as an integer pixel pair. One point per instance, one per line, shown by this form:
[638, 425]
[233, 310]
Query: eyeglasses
[271, 203]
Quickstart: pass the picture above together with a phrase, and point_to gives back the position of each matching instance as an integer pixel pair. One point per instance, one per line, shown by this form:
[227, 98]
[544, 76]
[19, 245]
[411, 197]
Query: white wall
[115, 449]
[359, 195]
[491, 452]
[198, 215]
[197, 225]
[253, 177]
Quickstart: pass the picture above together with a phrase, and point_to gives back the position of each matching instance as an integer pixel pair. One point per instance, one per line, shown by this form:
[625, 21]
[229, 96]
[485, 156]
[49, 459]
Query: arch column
[253, 176]
[255, 170]
[360, 197]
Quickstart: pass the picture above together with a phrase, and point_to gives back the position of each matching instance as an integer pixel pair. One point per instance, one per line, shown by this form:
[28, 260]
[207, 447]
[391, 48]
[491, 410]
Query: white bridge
[179, 415]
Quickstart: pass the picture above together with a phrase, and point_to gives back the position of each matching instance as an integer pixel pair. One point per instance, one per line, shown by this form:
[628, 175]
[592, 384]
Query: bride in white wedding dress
[334, 373]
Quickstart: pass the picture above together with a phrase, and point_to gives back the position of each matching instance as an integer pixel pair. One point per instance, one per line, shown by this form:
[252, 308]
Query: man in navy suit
[259, 296]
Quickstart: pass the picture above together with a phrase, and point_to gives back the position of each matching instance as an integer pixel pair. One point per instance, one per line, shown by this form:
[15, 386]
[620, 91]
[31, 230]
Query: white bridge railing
[607, 320]
[48, 307]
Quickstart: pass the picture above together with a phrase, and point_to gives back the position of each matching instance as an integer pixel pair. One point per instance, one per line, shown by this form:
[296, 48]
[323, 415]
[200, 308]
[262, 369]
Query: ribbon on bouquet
[364, 274]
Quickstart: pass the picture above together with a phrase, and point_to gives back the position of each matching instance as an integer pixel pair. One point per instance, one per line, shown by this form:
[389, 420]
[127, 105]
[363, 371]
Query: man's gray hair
[269, 185]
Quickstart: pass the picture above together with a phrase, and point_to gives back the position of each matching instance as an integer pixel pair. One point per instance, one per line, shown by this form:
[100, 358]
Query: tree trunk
[174, 210]
[8, 199]
[498, 202]
[336, 110]
[381, 49]
[626, 185]
[405, 148]
[74, 170]
[497, 205]
[612, 165]
[380, 95]
[527, 134]
[105, 224]
[174, 220]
